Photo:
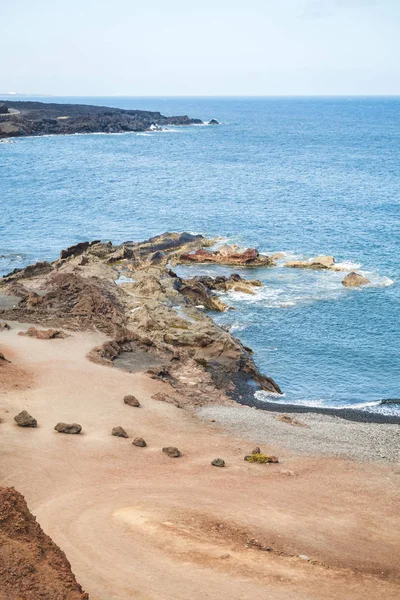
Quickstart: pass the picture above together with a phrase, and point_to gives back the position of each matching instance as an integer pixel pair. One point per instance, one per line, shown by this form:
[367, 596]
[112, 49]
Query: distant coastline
[27, 118]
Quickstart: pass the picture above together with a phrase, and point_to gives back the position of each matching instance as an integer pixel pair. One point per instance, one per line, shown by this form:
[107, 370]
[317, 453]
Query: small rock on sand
[119, 432]
[24, 419]
[291, 421]
[355, 280]
[257, 450]
[44, 334]
[4, 326]
[68, 428]
[218, 462]
[131, 401]
[139, 442]
[261, 458]
[171, 451]
[304, 557]
[3, 358]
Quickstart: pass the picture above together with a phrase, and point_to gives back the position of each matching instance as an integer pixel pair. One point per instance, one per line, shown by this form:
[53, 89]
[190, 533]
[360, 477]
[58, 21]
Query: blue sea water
[304, 176]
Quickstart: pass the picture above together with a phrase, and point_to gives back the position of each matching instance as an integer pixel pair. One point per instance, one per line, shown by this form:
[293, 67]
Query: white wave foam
[371, 406]
[348, 265]
[376, 279]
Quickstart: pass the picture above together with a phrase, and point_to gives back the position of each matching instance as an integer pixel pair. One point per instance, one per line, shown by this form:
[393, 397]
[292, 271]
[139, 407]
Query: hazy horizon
[265, 48]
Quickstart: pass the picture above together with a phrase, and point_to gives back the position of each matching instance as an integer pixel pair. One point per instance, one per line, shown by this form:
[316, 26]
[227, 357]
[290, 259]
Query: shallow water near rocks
[304, 176]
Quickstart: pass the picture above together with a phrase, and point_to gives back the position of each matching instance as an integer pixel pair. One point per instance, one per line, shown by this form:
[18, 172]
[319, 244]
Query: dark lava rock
[213, 122]
[119, 432]
[3, 109]
[171, 451]
[24, 419]
[68, 428]
[218, 462]
[131, 401]
[139, 442]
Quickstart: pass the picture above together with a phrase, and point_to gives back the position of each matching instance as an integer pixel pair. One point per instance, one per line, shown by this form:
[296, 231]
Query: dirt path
[137, 524]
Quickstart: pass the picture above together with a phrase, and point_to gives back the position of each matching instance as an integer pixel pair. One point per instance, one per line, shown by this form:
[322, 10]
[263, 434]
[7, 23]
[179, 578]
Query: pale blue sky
[219, 47]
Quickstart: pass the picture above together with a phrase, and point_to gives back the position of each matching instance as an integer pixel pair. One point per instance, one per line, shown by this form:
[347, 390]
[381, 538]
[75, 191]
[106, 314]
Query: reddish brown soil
[31, 565]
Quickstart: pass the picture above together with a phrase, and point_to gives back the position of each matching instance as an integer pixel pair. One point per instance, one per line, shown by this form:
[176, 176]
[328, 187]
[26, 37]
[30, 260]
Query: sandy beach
[135, 523]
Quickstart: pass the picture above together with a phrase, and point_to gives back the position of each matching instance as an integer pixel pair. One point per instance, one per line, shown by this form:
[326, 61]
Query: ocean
[303, 176]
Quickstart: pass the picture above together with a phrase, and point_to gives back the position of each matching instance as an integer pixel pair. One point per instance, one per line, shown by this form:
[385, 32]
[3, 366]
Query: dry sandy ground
[136, 524]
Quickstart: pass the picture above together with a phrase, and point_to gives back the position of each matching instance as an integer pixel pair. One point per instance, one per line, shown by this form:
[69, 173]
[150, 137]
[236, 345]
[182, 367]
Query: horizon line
[36, 95]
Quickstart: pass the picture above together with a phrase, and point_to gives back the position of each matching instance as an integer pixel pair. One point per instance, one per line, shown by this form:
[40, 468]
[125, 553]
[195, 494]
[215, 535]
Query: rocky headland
[20, 118]
[154, 314]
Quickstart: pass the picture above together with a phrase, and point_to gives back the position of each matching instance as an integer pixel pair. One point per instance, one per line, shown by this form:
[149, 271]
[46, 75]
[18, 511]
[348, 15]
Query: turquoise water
[302, 176]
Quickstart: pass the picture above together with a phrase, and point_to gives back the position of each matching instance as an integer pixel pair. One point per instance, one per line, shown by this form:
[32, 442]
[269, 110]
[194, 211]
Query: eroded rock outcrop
[31, 565]
[317, 263]
[229, 255]
[153, 311]
[44, 334]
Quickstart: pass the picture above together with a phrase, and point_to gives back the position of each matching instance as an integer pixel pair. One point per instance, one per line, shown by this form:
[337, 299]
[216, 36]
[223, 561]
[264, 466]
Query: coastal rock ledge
[150, 315]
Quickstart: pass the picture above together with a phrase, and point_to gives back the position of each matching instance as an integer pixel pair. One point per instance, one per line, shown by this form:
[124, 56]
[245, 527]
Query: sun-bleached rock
[355, 280]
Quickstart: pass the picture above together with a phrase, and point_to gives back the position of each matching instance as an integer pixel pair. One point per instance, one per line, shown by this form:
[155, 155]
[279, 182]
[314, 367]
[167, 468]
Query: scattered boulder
[355, 280]
[3, 109]
[4, 326]
[24, 419]
[44, 334]
[218, 462]
[261, 458]
[171, 451]
[213, 122]
[131, 401]
[119, 432]
[139, 442]
[291, 421]
[68, 428]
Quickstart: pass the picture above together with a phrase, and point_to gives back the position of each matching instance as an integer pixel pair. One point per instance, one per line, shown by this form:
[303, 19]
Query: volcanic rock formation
[154, 311]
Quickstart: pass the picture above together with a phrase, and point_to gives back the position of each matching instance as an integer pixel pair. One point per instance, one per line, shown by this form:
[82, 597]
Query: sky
[200, 48]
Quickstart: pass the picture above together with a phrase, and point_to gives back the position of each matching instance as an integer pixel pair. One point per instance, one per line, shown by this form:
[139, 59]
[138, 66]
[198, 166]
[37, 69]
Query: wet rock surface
[355, 280]
[318, 263]
[230, 255]
[32, 566]
[40, 118]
